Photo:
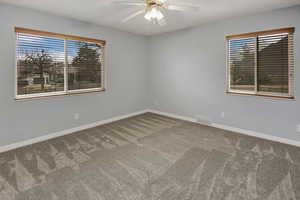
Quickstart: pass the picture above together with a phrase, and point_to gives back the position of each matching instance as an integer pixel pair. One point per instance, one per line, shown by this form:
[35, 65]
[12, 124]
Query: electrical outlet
[298, 128]
[204, 120]
[223, 114]
[76, 116]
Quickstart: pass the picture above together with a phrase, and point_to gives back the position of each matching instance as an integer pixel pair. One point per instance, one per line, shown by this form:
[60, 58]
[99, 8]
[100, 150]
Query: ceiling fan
[153, 10]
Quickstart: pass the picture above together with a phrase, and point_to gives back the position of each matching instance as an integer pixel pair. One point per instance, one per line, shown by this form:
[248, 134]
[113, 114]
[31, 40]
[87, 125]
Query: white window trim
[65, 91]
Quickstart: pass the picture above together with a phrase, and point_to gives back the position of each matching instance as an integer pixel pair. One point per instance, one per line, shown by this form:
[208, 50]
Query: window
[261, 63]
[56, 64]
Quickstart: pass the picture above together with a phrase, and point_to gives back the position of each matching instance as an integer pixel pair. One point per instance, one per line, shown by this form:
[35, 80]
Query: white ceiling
[103, 12]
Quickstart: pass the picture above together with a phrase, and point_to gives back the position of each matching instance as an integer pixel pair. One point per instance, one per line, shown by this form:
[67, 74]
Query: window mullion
[66, 67]
[256, 66]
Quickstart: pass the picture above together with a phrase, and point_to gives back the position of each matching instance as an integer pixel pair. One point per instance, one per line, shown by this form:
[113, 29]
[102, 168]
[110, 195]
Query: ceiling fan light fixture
[154, 14]
[154, 10]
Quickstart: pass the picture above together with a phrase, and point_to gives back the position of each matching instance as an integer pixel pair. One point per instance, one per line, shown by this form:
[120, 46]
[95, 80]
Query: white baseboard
[234, 129]
[258, 135]
[66, 132]
[190, 119]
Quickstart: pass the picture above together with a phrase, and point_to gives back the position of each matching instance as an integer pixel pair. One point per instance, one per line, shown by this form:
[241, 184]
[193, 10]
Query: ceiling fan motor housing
[151, 3]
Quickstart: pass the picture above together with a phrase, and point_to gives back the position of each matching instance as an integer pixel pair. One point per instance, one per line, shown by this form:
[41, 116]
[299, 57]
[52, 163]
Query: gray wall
[126, 69]
[181, 72]
[188, 76]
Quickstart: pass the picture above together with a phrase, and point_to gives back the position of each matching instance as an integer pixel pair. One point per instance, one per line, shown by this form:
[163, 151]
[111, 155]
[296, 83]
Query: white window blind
[57, 64]
[262, 63]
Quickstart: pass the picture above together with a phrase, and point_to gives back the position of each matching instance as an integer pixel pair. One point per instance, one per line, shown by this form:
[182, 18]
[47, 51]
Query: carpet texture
[151, 157]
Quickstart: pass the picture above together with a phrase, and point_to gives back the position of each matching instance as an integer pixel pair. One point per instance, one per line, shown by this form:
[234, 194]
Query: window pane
[242, 64]
[273, 63]
[85, 65]
[40, 64]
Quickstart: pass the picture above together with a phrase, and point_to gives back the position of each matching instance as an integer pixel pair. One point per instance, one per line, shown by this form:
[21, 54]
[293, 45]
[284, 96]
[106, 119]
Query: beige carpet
[151, 157]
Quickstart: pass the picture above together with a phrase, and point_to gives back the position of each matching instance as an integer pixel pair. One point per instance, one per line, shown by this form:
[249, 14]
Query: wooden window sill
[261, 95]
[56, 95]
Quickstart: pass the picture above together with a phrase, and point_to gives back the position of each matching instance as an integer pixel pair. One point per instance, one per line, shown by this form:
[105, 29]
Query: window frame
[291, 67]
[66, 91]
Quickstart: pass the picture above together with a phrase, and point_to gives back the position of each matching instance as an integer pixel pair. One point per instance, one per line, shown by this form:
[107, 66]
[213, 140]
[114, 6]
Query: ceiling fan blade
[129, 3]
[161, 1]
[182, 7]
[133, 15]
[174, 7]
